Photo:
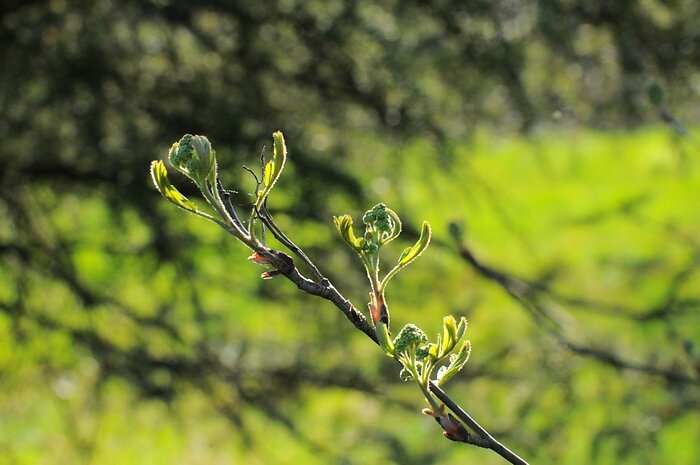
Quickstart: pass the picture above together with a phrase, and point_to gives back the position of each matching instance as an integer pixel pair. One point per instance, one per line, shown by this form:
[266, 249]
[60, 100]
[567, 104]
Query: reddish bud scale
[378, 309]
[269, 274]
[259, 259]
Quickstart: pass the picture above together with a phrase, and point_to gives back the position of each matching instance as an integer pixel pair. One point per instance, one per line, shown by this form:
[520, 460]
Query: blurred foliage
[130, 332]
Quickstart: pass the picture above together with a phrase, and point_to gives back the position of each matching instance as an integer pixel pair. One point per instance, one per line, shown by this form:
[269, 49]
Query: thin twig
[285, 265]
[526, 295]
[266, 217]
[485, 440]
[228, 205]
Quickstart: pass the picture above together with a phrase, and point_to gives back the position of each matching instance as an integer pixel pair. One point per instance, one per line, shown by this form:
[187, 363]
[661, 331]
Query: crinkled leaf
[159, 174]
[422, 352]
[382, 224]
[410, 337]
[181, 152]
[377, 218]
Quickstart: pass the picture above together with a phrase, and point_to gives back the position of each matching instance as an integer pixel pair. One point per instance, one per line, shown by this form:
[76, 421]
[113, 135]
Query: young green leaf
[273, 168]
[159, 174]
[279, 157]
[382, 224]
[269, 171]
[457, 362]
[344, 225]
[411, 253]
[181, 152]
[207, 156]
[449, 333]
[461, 329]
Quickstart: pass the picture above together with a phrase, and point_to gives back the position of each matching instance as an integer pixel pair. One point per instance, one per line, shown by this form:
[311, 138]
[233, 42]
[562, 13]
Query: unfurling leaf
[269, 168]
[461, 329]
[449, 335]
[207, 156]
[411, 253]
[279, 157]
[344, 225]
[457, 362]
[273, 168]
[159, 174]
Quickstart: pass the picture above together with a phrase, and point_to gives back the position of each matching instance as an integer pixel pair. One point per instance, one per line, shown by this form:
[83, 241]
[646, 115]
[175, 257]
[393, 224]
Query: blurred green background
[561, 135]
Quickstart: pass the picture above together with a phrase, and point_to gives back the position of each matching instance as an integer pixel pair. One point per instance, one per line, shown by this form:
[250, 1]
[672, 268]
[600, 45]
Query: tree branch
[285, 265]
[485, 440]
